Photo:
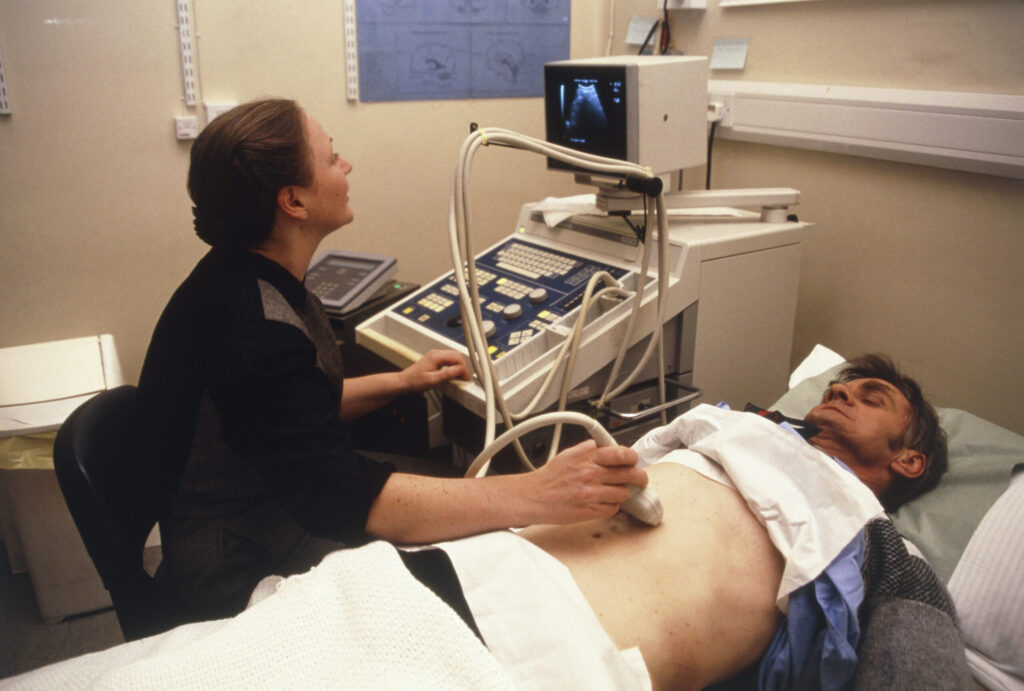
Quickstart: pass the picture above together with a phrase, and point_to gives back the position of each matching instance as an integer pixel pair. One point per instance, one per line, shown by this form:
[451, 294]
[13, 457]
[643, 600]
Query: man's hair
[922, 433]
[238, 165]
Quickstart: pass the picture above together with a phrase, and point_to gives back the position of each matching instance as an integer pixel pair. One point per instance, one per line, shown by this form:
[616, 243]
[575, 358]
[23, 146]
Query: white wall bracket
[186, 45]
[351, 52]
[5, 104]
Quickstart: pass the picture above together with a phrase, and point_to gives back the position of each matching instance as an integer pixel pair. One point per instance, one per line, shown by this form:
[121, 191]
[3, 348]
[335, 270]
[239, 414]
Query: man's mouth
[840, 411]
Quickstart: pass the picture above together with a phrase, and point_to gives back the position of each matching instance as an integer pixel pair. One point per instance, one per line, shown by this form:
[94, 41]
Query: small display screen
[585, 109]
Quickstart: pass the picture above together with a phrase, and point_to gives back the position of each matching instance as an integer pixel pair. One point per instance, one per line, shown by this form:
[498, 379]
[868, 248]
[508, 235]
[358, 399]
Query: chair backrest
[115, 498]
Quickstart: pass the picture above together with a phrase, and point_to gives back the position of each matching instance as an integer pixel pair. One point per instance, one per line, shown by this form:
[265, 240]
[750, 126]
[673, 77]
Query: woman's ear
[909, 463]
[289, 200]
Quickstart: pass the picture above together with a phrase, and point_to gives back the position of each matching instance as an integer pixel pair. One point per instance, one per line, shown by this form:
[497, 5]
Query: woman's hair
[238, 165]
[923, 432]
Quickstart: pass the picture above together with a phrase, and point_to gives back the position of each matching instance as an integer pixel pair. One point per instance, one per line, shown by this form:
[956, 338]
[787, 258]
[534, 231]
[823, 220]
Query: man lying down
[762, 574]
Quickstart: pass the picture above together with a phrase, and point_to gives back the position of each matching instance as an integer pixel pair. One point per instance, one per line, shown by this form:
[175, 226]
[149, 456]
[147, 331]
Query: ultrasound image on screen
[586, 110]
[585, 119]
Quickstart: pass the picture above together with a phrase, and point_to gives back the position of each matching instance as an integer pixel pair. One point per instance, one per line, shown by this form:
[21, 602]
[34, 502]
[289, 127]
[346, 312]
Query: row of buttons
[512, 289]
[435, 302]
[532, 262]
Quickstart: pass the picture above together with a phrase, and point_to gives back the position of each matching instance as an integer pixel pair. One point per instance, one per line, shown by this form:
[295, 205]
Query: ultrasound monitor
[648, 109]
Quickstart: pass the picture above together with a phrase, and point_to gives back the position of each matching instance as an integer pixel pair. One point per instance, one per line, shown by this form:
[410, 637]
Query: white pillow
[988, 589]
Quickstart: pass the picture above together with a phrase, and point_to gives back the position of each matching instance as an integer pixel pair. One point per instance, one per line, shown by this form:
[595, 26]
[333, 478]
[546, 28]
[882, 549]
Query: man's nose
[841, 391]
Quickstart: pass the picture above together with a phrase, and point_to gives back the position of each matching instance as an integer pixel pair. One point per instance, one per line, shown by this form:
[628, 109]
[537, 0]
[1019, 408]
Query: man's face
[863, 423]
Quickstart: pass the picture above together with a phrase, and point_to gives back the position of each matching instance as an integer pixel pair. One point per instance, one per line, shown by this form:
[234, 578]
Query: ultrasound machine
[625, 304]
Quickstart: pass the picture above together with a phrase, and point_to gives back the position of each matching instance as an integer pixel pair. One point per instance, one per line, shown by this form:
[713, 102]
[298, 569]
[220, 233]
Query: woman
[245, 397]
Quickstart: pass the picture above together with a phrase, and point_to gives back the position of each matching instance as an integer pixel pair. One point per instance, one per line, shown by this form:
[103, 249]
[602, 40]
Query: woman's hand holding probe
[582, 483]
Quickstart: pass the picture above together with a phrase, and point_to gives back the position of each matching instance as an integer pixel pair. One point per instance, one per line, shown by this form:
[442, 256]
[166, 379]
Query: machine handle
[694, 393]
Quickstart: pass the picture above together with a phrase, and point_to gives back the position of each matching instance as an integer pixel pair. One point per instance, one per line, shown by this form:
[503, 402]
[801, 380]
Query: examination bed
[310, 629]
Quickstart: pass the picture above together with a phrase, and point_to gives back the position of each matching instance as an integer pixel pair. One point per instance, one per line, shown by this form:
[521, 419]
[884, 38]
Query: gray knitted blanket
[909, 636]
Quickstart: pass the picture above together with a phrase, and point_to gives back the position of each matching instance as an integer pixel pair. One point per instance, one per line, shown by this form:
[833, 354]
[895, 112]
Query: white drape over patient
[811, 506]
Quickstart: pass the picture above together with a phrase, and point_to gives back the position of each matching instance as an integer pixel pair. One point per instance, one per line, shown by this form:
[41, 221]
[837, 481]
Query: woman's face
[327, 196]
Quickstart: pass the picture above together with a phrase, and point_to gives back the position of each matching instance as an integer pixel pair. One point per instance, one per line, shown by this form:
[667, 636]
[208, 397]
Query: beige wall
[923, 263]
[95, 222]
[96, 229]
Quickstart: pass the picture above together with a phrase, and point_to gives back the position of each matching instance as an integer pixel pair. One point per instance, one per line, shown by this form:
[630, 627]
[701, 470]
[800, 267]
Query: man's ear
[289, 200]
[909, 463]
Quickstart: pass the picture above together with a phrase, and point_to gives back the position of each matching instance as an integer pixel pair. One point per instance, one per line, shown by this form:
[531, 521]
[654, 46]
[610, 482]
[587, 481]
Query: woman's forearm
[362, 395]
[580, 483]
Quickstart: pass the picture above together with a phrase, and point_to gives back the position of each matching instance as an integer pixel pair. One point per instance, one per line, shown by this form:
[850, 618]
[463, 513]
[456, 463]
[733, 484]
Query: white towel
[811, 506]
[359, 620]
[536, 620]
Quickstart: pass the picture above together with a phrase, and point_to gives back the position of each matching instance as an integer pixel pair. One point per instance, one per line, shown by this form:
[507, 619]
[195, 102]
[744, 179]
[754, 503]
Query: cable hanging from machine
[711, 141]
[650, 34]
[666, 33]
[641, 230]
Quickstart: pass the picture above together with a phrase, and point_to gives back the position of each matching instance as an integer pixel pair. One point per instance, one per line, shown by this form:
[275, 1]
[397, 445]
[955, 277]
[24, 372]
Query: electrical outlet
[720, 108]
[186, 127]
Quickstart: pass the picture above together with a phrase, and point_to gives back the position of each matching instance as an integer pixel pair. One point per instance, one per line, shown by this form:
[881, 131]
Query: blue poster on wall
[411, 50]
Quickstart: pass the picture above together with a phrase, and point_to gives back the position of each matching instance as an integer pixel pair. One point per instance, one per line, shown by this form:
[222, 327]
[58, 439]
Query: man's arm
[362, 395]
[581, 483]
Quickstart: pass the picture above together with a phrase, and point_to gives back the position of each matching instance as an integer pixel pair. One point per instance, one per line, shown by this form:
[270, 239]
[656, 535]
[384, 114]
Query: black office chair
[115, 498]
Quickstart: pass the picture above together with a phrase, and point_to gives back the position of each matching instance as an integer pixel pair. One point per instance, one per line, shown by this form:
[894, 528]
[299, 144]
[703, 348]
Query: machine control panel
[345, 280]
[524, 288]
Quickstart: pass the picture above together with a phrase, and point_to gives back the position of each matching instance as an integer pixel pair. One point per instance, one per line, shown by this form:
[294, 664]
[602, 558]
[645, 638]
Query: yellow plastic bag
[23, 451]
